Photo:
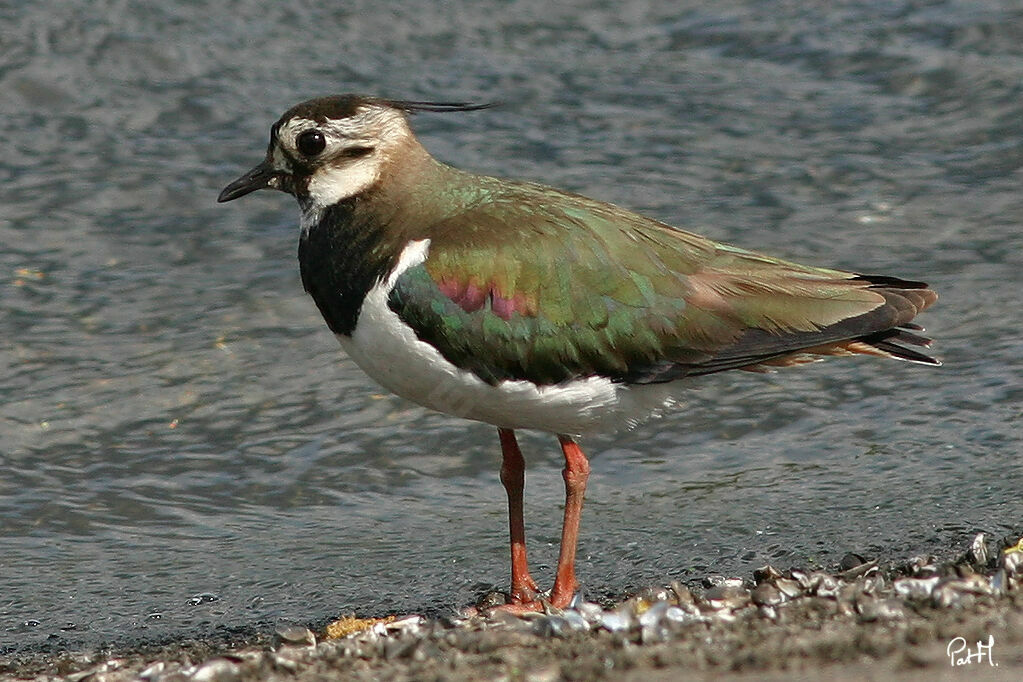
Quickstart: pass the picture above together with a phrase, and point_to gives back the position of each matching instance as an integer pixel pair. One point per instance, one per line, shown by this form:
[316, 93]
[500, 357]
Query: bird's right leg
[513, 473]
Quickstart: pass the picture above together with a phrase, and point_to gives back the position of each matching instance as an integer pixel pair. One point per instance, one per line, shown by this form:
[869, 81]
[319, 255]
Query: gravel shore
[913, 620]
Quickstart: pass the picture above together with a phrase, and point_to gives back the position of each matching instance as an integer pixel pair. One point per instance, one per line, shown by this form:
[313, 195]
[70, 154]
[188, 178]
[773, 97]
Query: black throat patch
[341, 258]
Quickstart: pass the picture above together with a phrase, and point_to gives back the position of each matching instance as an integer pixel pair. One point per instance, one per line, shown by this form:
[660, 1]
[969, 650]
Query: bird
[528, 307]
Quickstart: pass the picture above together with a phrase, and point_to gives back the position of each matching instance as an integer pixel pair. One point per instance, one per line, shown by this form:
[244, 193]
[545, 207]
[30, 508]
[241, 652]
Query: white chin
[328, 186]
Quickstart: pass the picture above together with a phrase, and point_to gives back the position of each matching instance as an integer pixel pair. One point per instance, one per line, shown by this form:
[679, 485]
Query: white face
[340, 158]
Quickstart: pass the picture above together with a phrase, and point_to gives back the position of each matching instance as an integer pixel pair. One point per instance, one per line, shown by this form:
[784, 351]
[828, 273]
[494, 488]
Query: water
[184, 449]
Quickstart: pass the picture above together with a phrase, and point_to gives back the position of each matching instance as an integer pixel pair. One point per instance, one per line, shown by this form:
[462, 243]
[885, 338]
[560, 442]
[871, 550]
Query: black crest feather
[413, 106]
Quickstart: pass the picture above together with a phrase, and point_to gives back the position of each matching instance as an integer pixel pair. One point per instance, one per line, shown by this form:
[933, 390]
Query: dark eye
[311, 142]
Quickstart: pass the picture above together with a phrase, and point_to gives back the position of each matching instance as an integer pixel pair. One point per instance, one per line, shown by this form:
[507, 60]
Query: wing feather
[542, 285]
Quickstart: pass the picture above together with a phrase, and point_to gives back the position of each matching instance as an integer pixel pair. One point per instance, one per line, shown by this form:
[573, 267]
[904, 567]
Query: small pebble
[788, 587]
[871, 609]
[576, 620]
[216, 670]
[153, 671]
[409, 625]
[654, 614]
[295, 634]
[825, 585]
[396, 648]
[851, 561]
[492, 599]
[202, 598]
[677, 615]
[684, 597]
[916, 588]
[978, 550]
[1012, 562]
[713, 580]
[616, 621]
[860, 570]
[550, 673]
[873, 583]
[551, 626]
[765, 573]
[766, 594]
[727, 595]
[654, 594]
[590, 611]
[922, 566]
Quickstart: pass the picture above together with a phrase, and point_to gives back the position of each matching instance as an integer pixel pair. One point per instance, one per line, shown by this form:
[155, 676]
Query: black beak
[260, 177]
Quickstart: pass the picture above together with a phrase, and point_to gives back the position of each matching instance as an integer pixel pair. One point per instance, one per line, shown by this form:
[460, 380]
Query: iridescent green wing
[546, 286]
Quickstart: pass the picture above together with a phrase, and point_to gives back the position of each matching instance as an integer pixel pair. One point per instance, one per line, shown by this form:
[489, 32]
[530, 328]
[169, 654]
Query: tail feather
[911, 338]
[908, 298]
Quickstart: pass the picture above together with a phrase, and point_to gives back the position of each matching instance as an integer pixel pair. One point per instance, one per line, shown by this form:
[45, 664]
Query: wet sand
[859, 621]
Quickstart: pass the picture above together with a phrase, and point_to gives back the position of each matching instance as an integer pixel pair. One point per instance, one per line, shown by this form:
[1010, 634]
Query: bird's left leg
[577, 470]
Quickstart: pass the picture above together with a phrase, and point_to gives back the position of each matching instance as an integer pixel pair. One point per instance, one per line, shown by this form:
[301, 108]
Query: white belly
[390, 353]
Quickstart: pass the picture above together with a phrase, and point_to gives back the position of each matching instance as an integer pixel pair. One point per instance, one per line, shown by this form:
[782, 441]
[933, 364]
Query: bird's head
[329, 149]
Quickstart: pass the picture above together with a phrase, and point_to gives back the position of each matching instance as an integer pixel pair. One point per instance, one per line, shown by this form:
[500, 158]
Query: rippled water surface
[184, 448]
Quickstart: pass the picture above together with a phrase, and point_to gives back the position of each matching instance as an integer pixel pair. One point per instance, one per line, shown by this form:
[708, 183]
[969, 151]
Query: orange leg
[513, 468]
[577, 470]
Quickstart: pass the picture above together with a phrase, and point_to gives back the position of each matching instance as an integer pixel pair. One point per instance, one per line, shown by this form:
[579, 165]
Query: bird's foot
[524, 590]
[541, 604]
[519, 608]
[523, 602]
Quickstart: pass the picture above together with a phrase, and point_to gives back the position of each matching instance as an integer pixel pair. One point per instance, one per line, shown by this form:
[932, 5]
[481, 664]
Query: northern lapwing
[529, 307]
